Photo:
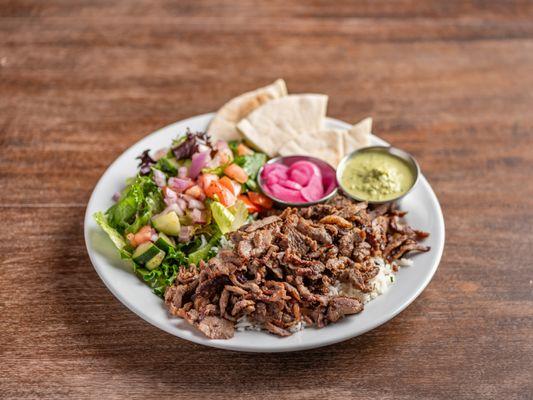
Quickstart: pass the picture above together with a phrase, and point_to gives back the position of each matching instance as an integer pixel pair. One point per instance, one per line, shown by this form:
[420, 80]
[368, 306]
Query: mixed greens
[183, 200]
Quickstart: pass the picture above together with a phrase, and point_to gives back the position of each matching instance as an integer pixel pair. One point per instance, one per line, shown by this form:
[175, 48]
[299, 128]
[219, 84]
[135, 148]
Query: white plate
[424, 213]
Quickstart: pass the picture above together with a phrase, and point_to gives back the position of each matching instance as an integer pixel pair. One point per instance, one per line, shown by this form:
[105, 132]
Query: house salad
[182, 201]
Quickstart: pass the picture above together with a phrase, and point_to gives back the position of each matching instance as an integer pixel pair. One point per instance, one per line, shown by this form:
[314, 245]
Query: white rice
[244, 324]
[380, 284]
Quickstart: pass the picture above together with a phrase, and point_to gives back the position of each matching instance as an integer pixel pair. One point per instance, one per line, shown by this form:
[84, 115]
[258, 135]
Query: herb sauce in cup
[376, 175]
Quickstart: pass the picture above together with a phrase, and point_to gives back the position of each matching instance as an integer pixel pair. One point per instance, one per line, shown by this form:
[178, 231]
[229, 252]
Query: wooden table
[449, 81]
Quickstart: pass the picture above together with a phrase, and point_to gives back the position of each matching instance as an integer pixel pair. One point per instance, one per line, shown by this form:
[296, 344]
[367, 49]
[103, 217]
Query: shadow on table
[117, 340]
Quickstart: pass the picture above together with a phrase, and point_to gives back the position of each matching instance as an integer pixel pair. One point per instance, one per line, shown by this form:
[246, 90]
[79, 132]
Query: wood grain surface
[449, 81]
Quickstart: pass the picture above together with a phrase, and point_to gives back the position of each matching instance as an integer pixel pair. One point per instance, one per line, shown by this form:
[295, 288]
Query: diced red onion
[169, 201]
[214, 162]
[186, 197]
[198, 216]
[170, 195]
[154, 237]
[185, 234]
[193, 203]
[174, 207]
[180, 185]
[116, 197]
[182, 203]
[221, 145]
[199, 161]
[159, 178]
[183, 172]
[203, 148]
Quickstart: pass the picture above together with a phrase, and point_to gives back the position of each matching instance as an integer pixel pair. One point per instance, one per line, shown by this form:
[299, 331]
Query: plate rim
[225, 345]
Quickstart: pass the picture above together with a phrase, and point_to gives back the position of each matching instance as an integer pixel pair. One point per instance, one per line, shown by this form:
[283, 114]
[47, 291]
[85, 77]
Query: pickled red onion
[298, 183]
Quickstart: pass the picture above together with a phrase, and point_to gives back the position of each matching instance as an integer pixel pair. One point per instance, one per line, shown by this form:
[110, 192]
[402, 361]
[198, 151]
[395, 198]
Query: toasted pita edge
[224, 124]
[327, 145]
[274, 123]
[358, 135]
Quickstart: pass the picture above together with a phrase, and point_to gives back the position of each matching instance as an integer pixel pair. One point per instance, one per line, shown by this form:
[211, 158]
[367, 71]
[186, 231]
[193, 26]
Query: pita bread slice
[224, 124]
[330, 144]
[358, 136]
[327, 145]
[270, 126]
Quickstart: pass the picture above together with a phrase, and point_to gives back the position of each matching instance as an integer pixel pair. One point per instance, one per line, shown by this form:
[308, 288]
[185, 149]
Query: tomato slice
[142, 236]
[196, 191]
[236, 172]
[217, 191]
[260, 200]
[205, 180]
[244, 150]
[252, 208]
[231, 185]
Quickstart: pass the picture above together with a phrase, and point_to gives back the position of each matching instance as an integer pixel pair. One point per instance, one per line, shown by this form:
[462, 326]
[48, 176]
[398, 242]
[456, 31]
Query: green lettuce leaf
[240, 214]
[206, 251]
[117, 239]
[223, 217]
[251, 164]
[138, 203]
[167, 165]
[163, 276]
[219, 171]
[233, 144]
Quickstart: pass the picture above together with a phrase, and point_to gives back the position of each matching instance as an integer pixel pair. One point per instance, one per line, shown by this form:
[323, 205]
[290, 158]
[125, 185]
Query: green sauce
[376, 176]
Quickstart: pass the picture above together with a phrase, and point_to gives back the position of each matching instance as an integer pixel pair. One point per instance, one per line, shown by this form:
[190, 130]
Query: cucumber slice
[168, 165]
[164, 242]
[167, 223]
[156, 260]
[145, 252]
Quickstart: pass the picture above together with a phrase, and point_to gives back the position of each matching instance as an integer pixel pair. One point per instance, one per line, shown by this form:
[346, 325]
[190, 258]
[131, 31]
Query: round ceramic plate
[424, 213]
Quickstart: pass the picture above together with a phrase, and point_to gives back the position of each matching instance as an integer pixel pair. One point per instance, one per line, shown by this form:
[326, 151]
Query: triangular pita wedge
[278, 121]
[358, 136]
[327, 145]
[331, 145]
[224, 124]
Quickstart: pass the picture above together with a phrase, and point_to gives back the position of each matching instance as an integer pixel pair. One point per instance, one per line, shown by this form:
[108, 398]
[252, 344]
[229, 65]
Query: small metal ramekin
[327, 172]
[408, 158]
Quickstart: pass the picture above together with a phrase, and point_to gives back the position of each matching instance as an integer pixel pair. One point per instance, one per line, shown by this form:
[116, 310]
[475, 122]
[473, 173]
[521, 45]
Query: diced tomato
[236, 188]
[220, 192]
[226, 182]
[143, 235]
[236, 172]
[196, 191]
[260, 200]
[223, 156]
[205, 180]
[252, 208]
[244, 150]
[231, 185]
